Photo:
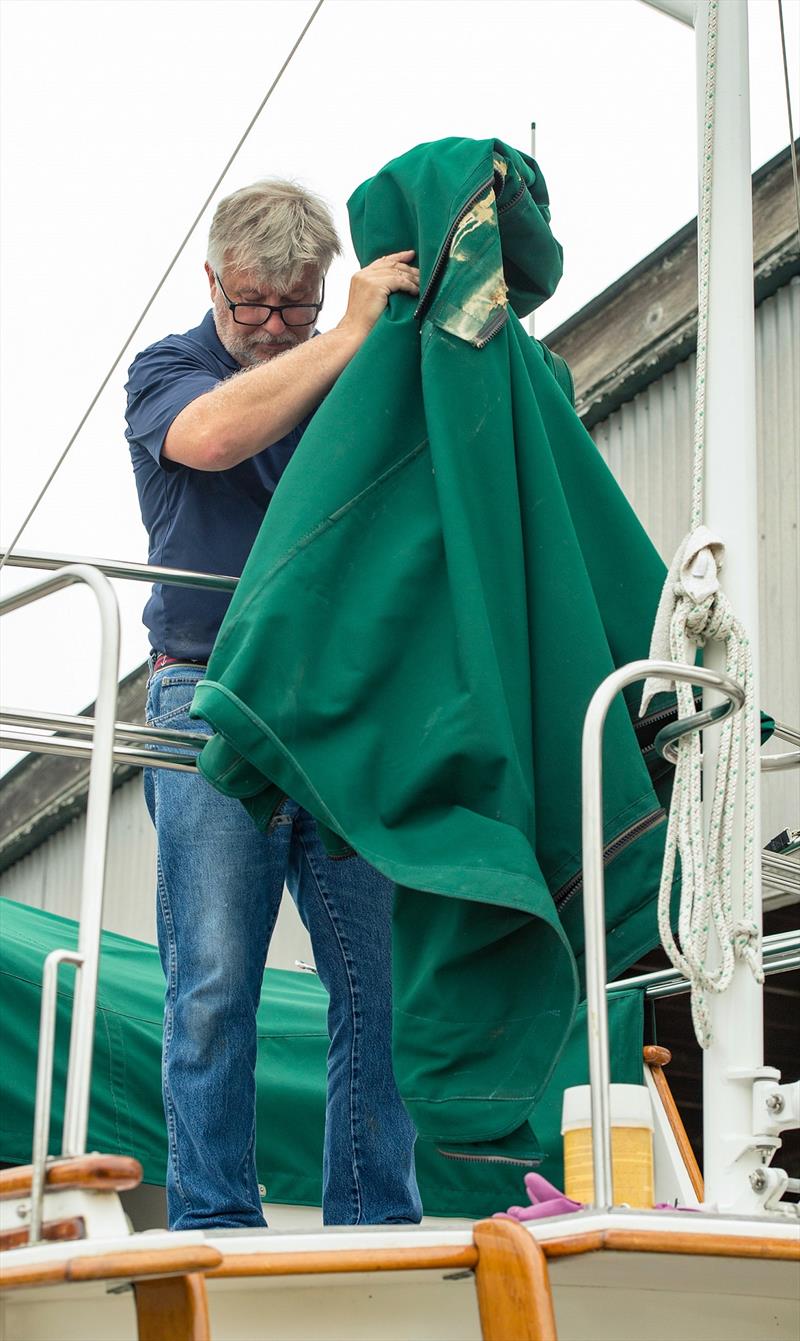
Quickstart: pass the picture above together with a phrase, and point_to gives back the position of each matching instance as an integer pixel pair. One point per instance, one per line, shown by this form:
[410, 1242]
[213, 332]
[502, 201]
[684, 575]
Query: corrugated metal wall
[50, 878]
[647, 445]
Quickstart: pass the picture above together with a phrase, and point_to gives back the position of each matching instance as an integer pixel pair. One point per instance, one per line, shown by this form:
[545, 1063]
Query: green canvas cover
[126, 1116]
[447, 572]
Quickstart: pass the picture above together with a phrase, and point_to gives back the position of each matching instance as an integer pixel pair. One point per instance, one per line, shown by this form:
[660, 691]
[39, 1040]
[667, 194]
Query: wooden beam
[656, 1059]
[514, 1296]
[174, 1307]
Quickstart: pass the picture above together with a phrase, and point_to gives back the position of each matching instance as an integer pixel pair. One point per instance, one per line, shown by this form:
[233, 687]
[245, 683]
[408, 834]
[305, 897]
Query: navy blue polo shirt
[201, 519]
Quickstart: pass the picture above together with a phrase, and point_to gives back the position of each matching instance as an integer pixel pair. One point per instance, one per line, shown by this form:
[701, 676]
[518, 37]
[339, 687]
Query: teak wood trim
[112, 1266]
[515, 1301]
[359, 1259]
[174, 1306]
[655, 1056]
[92, 1173]
[237, 1265]
[53, 1231]
[683, 1244]
[656, 1059]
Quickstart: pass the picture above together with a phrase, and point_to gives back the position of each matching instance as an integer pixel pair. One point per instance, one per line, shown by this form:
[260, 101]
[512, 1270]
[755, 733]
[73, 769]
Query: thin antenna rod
[532, 317]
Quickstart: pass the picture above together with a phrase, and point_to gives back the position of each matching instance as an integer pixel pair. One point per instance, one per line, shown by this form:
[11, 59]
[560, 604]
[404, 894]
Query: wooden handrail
[92, 1173]
[682, 1244]
[656, 1059]
[123, 1265]
[53, 1231]
[448, 1258]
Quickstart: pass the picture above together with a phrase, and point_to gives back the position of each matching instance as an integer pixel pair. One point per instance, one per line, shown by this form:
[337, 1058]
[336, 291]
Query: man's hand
[370, 289]
[246, 413]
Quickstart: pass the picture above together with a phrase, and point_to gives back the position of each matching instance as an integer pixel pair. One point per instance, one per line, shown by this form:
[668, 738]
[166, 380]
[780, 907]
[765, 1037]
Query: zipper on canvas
[503, 209]
[622, 840]
[645, 723]
[445, 247]
[491, 1159]
[641, 722]
[491, 329]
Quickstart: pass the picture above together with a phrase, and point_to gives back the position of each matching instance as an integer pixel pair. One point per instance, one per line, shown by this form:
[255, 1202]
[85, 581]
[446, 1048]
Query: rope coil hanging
[693, 610]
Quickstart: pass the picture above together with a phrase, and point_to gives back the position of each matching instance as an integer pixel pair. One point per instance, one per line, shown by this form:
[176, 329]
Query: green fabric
[447, 572]
[126, 1118]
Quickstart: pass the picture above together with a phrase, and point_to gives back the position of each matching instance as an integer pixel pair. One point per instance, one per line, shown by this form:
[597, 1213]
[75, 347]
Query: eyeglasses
[258, 314]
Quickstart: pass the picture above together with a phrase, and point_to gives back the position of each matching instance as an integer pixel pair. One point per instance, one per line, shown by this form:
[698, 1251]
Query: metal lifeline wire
[706, 893]
[792, 146]
[162, 281]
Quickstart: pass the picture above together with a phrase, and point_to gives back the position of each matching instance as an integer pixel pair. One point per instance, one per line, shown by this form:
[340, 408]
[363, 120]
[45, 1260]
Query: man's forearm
[257, 407]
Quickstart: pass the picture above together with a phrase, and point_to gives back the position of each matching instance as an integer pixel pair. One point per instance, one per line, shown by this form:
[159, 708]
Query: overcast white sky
[119, 114]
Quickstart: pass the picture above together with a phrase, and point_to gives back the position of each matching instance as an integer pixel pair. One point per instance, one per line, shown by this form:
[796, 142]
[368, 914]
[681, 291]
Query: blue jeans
[220, 881]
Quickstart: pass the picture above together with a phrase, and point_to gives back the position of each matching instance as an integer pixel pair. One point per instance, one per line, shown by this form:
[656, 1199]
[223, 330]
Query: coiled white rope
[692, 611]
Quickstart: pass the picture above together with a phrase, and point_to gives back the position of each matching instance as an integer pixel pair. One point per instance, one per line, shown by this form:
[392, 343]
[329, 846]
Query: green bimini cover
[447, 572]
[126, 1116]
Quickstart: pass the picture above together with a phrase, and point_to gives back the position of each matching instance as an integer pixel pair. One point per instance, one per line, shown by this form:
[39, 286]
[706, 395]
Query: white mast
[735, 1058]
[736, 1055]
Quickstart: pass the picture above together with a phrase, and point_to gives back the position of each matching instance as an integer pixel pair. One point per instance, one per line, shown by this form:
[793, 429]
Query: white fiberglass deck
[600, 1295]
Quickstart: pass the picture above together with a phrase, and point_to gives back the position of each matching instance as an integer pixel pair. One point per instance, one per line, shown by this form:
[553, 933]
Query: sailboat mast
[736, 1056]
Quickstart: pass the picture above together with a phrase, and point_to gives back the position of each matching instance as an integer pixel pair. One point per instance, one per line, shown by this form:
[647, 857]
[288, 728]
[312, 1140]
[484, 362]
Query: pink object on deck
[549, 1200]
[545, 1200]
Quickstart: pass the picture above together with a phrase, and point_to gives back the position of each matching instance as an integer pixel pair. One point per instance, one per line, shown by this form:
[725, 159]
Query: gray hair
[273, 230]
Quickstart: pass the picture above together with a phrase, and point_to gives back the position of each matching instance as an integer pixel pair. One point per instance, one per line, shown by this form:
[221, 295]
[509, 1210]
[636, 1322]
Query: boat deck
[615, 1276]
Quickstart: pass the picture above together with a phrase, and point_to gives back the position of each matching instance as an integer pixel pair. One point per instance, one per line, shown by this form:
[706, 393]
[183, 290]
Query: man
[214, 416]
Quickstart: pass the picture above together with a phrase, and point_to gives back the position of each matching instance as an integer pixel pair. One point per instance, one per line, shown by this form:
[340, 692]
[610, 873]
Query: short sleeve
[162, 382]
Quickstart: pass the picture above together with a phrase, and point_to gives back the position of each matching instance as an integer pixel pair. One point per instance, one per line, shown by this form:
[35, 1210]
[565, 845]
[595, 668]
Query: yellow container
[631, 1145]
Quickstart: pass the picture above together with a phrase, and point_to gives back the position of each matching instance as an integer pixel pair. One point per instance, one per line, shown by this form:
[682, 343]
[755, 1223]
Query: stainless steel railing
[86, 960]
[53, 733]
[134, 572]
[790, 759]
[101, 740]
[42, 740]
[594, 891]
[780, 954]
[780, 874]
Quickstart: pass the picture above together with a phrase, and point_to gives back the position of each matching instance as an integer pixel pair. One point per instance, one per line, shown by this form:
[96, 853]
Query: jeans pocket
[169, 699]
[171, 715]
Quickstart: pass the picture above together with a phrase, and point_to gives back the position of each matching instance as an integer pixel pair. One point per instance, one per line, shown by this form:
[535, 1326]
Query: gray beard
[245, 351]
[241, 349]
